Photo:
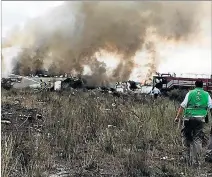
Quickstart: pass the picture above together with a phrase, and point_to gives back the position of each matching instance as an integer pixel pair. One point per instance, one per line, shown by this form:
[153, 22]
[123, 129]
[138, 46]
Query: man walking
[195, 109]
[156, 92]
[42, 84]
[49, 85]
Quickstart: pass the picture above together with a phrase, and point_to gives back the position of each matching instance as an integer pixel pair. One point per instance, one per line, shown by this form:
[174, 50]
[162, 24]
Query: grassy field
[91, 134]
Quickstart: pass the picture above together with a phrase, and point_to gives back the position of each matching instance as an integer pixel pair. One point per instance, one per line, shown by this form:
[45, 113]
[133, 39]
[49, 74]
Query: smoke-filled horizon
[69, 37]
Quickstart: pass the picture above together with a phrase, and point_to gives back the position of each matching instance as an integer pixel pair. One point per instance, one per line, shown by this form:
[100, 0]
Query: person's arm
[179, 112]
[181, 108]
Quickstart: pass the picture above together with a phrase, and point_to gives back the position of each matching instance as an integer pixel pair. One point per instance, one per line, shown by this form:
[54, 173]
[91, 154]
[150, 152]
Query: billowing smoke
[67, 38]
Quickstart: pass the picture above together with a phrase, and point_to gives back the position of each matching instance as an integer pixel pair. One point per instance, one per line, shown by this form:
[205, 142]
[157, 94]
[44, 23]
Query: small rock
[16, 102]
[49, 135]
[111, 126]
[63, 173]
[5, 122]
[113, 104]
[164, 158]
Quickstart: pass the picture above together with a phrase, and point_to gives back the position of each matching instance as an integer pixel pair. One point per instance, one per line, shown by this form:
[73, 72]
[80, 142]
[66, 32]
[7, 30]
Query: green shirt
[197, 105]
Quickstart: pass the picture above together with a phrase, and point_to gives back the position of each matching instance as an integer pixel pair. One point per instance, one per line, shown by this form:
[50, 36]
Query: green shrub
[177, 94]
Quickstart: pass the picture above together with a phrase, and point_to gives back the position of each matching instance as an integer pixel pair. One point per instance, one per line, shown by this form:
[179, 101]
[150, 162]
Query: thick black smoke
[68, 37]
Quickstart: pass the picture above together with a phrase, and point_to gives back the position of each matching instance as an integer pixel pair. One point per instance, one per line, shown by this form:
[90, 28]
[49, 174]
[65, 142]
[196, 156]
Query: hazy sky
[177, 60]
[18, 12]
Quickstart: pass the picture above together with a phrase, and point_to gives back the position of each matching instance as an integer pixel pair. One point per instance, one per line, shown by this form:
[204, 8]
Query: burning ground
[90, 134]
[72, 35]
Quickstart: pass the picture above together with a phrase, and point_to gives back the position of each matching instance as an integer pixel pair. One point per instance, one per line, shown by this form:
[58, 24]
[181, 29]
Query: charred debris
[83, 83]
[80, 82]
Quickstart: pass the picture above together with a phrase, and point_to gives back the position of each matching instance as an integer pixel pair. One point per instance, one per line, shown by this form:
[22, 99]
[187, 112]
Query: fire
[112, 60]
[109, 58]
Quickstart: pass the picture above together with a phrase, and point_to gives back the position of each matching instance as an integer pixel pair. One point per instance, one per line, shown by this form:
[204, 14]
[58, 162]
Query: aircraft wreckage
[66, 83]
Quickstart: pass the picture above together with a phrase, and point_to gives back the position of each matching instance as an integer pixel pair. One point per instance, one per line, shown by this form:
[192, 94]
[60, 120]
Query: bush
[177, 94]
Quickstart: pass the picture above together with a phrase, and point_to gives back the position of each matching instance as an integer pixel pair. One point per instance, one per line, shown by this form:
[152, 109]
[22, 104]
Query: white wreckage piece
[121, 87]
[57, 85]
[35, 86]
[124, 87]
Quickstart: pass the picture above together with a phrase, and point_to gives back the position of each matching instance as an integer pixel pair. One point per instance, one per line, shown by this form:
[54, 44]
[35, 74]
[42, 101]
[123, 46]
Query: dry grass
[93, 134]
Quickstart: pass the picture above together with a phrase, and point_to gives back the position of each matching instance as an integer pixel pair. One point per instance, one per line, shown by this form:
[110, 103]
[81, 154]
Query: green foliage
[177, 94]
